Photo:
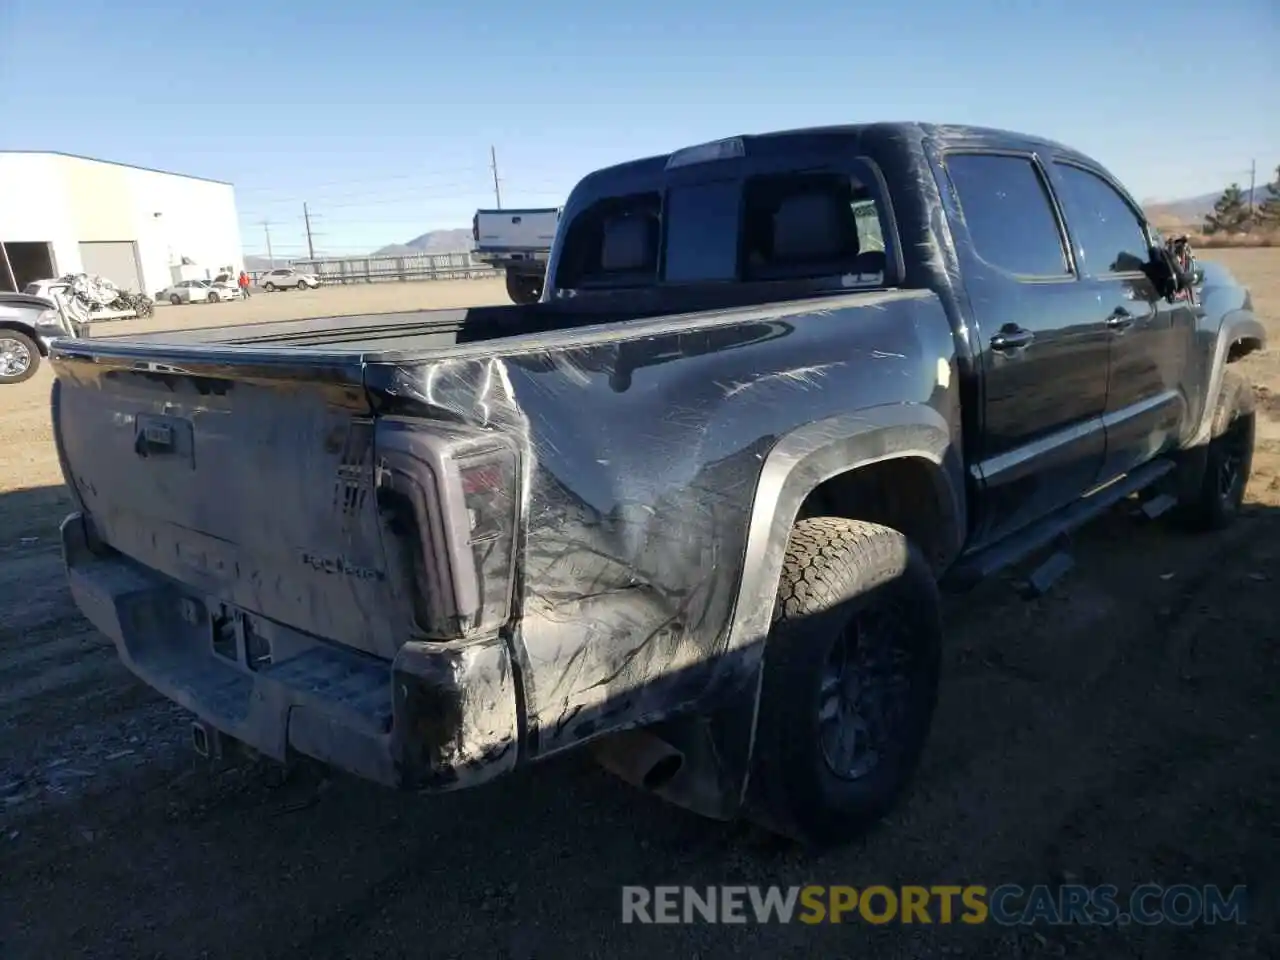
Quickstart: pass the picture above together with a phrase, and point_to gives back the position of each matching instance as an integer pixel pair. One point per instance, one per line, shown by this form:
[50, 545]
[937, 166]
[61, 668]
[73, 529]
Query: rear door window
[1010, 217]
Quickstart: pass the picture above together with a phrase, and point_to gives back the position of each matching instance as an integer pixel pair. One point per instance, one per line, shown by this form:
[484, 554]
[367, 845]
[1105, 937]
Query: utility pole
[493, 165]
[266, 226]
[306, 215]
[1253, 179]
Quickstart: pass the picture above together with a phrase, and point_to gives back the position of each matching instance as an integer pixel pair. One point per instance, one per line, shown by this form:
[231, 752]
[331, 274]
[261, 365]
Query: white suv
[287, 277]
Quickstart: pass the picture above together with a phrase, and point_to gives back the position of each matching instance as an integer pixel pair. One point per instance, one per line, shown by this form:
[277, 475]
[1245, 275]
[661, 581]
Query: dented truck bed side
[643, 564]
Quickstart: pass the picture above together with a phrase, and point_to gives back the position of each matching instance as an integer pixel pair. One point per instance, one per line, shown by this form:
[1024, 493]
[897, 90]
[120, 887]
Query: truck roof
[912, 131]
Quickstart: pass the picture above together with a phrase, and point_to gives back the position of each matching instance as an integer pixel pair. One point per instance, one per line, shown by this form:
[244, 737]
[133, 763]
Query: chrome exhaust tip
[639, 758]
[200, 739]
[205, 740]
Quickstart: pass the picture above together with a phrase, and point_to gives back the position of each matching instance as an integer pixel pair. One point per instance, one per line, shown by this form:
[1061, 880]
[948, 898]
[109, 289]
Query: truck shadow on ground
[1120, 730]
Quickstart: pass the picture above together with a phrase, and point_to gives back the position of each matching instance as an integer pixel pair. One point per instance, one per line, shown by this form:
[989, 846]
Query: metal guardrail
[393, 269]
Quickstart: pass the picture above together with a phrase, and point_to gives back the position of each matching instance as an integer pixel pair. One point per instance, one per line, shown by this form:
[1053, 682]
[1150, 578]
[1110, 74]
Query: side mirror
[1163, 272]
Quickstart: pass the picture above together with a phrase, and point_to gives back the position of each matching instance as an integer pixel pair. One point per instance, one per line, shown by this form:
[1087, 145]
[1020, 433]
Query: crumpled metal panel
[644, 463]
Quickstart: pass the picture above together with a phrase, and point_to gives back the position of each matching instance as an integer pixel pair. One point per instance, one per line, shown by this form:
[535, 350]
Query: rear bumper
[512, 257]
[439, 717]
[46, 333]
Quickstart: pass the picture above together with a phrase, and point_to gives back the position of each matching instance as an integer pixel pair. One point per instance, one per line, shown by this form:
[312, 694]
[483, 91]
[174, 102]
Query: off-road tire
[1215, 503]
[33, 356]
[839, 573]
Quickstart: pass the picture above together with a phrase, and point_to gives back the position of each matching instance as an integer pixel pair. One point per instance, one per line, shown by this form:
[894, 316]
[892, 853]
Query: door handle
[1012, 338]
[1120, 319]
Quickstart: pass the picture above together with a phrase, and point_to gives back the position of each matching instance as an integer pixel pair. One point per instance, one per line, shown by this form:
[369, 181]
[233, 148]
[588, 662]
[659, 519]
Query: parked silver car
[286, 278]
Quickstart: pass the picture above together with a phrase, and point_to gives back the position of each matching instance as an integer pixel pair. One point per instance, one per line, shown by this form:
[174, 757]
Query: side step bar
[972, 569]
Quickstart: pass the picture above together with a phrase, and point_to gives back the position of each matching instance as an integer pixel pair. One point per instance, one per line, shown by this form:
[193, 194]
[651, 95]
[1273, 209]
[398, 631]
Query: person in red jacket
[243, 281]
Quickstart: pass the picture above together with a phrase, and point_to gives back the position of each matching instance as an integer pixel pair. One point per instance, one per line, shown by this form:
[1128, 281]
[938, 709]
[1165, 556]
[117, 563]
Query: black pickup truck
[694, 507]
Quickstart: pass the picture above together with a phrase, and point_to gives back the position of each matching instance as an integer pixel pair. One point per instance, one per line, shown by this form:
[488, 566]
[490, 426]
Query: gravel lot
[323, 302]
[1131, 735]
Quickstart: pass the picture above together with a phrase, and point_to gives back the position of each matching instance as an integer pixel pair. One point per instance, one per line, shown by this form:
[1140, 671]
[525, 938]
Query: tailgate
[517, 229]
[254, 490]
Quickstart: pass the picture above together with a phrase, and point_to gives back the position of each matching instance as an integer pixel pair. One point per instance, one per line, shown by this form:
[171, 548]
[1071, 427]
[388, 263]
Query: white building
[142, 229]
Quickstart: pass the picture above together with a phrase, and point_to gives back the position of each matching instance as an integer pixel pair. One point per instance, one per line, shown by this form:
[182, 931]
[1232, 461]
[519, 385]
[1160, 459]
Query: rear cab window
[723, 222]
[613, 243]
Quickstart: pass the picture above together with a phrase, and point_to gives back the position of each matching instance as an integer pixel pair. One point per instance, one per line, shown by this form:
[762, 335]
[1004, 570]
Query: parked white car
[196, 291]
[226, 289]
[286, 278]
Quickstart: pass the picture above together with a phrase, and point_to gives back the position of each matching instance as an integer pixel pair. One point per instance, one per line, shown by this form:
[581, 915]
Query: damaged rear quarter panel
[642, 461]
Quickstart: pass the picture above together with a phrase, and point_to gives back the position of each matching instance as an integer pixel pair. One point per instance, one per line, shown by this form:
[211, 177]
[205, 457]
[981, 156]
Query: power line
[254, 214]
[354, 181]
[426, 216]
[437, 190]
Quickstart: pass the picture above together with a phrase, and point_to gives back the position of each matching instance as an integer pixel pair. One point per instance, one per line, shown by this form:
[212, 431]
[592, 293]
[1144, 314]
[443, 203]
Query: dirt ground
[1123, 729]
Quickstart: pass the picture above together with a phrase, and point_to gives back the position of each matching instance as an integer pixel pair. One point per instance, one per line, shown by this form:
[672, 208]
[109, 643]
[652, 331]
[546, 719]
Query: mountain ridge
[456, 240]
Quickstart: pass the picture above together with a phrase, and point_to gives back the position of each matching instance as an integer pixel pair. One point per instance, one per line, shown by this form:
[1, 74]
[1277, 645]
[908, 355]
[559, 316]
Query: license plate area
[232, 634]
[165, 438]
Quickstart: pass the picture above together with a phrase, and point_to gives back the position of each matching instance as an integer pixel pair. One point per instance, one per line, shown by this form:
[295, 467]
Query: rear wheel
[19, 357]
[524, 288]
[850, 680]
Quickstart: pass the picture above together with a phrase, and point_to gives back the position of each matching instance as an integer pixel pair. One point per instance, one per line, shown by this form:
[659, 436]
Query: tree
[1230, 212]
[1269, 209]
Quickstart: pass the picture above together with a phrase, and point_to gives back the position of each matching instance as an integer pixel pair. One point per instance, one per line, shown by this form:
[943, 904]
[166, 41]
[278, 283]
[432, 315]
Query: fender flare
[1236, 325]
[795, 466]
[804, 459]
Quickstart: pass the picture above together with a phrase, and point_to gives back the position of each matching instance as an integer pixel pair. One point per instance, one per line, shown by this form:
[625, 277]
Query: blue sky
[381, 115]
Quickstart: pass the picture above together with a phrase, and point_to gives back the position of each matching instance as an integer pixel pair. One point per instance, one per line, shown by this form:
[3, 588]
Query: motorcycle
[139, 303]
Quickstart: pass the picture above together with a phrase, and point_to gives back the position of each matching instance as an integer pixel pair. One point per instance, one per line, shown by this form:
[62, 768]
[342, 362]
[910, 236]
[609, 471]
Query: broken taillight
[451, 499]
[489, 488]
